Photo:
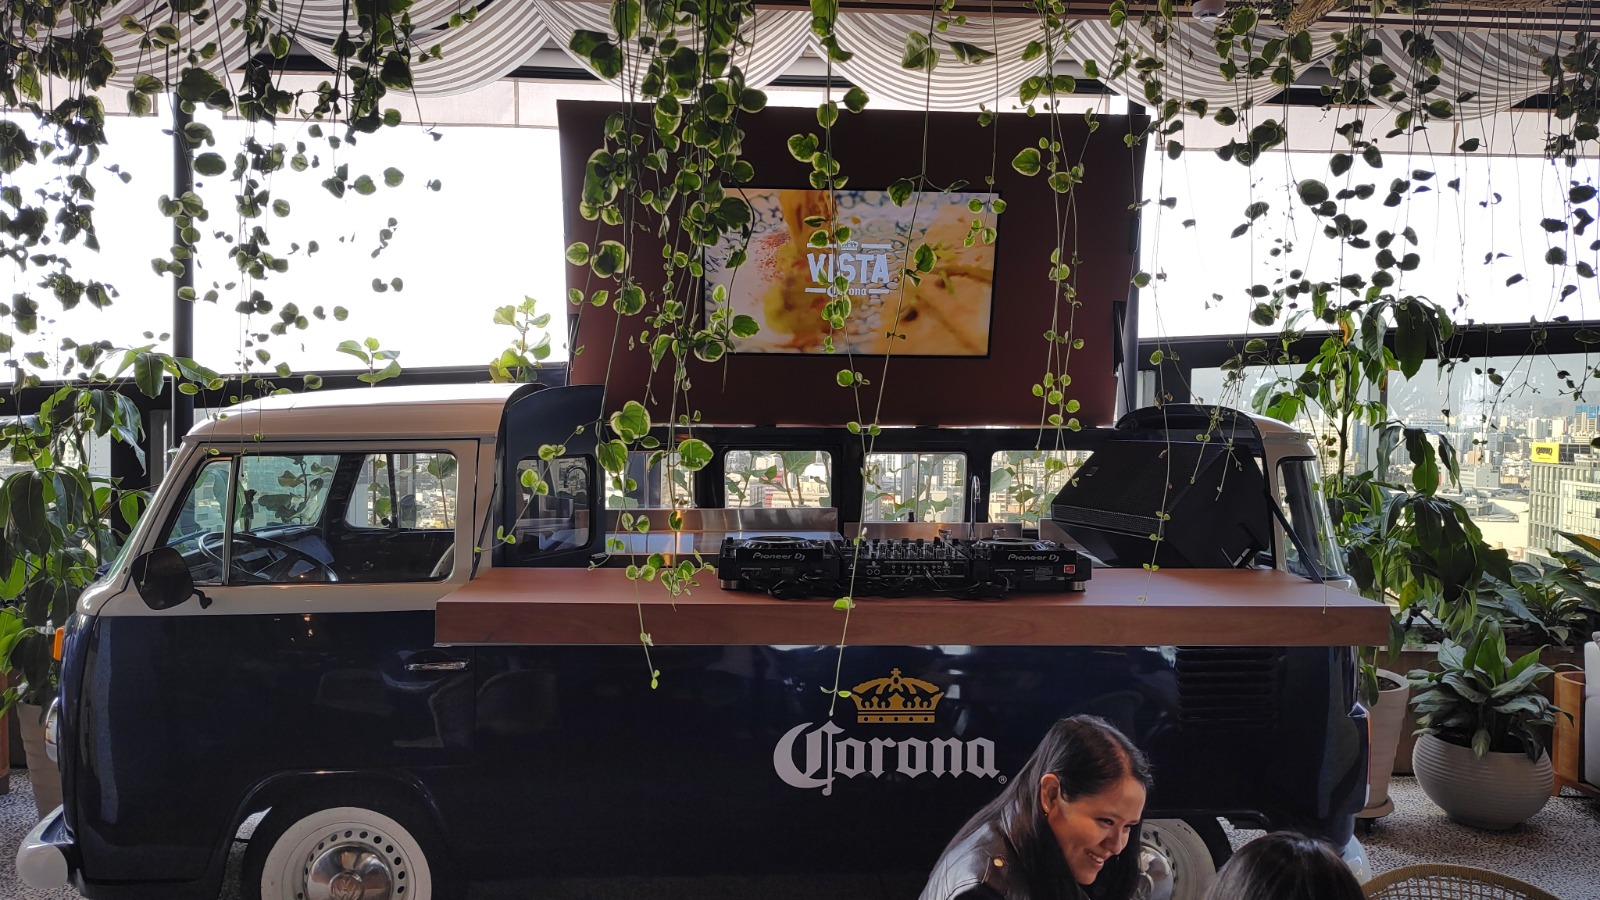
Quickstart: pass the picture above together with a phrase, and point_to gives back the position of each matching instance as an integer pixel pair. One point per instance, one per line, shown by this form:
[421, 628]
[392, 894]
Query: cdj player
[983, 569]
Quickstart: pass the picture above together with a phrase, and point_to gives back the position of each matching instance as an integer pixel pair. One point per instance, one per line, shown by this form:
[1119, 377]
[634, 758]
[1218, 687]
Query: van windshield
[1300, 495]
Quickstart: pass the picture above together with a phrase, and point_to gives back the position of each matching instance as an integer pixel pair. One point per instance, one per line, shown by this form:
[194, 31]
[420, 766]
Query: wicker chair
[1447, 882]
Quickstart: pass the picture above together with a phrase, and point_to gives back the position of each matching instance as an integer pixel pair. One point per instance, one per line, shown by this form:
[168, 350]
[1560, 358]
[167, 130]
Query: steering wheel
[274, 571]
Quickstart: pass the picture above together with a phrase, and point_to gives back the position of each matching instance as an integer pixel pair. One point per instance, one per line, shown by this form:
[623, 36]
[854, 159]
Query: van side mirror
[163, 580]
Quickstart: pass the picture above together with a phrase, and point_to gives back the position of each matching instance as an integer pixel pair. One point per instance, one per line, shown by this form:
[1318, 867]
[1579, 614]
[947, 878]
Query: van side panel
[199, 709]
[734, 765]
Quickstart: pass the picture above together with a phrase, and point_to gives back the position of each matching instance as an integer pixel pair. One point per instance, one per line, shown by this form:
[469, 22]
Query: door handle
[443, 665]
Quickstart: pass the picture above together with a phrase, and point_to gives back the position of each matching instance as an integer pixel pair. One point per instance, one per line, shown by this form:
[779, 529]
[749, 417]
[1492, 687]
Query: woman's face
[1094, 827]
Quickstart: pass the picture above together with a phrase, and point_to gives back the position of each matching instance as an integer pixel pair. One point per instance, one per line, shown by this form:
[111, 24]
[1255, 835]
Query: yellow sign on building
[1546, 452]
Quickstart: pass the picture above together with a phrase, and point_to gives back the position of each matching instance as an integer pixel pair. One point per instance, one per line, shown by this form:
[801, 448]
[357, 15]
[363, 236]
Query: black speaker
[1216, 499]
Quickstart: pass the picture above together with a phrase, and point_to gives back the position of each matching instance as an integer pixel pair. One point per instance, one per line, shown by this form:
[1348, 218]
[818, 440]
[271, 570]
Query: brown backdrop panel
[876, 148]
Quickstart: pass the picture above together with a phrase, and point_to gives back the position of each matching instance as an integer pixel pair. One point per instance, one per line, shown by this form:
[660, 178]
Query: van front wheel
[326, 852]
[1177, 861]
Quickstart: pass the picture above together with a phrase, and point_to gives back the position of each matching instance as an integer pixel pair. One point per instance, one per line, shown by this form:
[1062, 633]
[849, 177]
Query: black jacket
[982, 867]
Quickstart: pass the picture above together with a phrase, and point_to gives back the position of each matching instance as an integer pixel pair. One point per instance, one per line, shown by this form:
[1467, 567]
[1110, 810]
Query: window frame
[194, 461]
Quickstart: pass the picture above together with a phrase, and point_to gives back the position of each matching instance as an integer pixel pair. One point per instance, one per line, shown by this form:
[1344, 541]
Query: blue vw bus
[264, 655]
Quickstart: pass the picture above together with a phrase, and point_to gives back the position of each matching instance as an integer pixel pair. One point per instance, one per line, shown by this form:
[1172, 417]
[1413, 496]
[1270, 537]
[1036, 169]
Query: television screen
[785, 282]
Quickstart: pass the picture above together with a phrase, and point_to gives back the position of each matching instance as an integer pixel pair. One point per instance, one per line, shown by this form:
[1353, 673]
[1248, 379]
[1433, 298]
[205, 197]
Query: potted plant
[55, 530]
[1482, 754]
[1384, 694]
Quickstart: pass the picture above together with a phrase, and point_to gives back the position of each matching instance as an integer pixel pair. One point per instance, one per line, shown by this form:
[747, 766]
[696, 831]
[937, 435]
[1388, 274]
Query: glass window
[653, 480]
[778, 479]
[404, 490]
[1023, 482]
[200, 517]
[915, 487]
[282, 490]
[300, 518]
[1300, 495]
[553, 512]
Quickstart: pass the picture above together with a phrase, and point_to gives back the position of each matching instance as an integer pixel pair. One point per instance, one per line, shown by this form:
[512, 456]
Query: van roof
[418, 411]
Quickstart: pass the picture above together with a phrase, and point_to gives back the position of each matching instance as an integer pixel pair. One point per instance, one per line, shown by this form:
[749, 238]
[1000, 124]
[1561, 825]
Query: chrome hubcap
[354, 864]
[1155, 872]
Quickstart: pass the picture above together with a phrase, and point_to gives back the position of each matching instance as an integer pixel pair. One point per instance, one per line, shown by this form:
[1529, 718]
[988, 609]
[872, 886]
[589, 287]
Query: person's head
[1074, 809]
[1286, 866]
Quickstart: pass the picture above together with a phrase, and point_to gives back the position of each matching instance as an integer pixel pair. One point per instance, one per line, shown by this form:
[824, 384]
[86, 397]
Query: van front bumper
[44, 858]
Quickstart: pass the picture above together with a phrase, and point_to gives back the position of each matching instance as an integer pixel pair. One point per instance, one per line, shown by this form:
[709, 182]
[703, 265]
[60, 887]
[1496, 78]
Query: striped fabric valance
[1499, 65]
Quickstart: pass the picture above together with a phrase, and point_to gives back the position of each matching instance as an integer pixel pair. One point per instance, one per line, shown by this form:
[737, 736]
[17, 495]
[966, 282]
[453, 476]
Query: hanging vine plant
[672, 159]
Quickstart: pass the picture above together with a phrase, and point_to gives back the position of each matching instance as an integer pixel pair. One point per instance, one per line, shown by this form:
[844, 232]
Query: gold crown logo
[896, 700]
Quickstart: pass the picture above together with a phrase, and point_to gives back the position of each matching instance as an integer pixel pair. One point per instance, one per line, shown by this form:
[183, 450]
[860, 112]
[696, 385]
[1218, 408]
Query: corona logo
[864, 267]
[896, 700]
[826, 752]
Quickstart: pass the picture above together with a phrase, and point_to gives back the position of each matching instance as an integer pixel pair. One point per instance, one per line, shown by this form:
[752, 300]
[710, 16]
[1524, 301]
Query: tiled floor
[1558, 849]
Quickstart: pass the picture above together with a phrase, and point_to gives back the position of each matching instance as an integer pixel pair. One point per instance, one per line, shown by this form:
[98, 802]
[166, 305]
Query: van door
[312, 650]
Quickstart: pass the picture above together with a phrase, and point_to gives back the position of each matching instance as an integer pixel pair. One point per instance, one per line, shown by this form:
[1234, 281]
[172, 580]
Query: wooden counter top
[1121, 607]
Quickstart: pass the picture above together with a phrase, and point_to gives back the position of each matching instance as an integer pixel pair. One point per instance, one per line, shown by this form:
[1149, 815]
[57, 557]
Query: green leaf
[610, 258]
[827, 114]
[969, 53]
[613, 456]
[900, 191]
[1412, 333]
[1424, 471]
[354, 349]
[694, 454]
[198, 85]
[1028, 161]
[27, 522]
[803, 147]
[625, 18]
[392, 370]
[596, 48]
[632, 422]
[392, 177]
[845, 377]
[1312, 192]
[148, 373]
[578, 253]
[855, 99]
[210, 164]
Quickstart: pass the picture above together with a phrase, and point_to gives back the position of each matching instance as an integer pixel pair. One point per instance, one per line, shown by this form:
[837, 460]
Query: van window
[1300, 496]
[1023, 482]
[404, 490]
[299, 518]
[553, 509]
[776, 479]
[201, 515]
[915, 487]
[653, 480]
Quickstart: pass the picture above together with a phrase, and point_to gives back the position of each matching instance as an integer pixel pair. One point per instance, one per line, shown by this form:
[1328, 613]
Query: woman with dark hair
[1286, 866]
[1061, 830]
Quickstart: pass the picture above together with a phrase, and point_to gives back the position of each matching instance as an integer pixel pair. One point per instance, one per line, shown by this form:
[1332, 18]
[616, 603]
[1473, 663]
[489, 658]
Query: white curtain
[878, 43]
[1499, 65]
[165, 62]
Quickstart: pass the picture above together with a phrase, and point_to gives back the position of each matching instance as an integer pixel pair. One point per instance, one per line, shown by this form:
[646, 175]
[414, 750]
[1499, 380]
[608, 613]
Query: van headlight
[52, 730]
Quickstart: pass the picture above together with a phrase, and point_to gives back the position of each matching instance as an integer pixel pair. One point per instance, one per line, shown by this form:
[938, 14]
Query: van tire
[378, 843]
[1178, 858]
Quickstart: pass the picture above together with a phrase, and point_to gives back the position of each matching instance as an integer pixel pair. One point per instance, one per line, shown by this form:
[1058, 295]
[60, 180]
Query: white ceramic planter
[1385, 721]
[44, 774]
[1496, 792]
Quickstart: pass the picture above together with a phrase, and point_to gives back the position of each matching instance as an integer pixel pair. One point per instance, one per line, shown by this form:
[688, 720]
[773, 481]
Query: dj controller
[792, 567]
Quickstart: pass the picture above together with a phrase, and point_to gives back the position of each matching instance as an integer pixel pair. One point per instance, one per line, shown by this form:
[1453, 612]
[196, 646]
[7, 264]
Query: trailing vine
[670, 166]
